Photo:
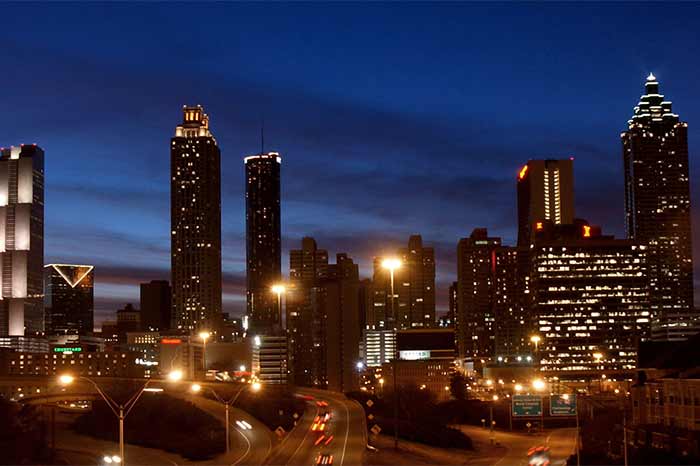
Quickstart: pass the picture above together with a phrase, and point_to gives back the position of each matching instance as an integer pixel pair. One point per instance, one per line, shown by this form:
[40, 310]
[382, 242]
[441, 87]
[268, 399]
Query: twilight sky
[391, 119]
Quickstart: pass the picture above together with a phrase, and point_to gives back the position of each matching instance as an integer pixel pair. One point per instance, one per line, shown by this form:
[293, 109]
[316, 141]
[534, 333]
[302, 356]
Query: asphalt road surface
[345, 429]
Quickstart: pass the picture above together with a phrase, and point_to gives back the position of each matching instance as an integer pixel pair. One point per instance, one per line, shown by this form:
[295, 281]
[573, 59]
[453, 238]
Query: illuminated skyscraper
[513, 324]
[414, 288]
[22, 240]
[474, 323]
[195, 219]
[657, 204]
[69, 299]
[307, 266]
[545, 192]
[263, 241]
[590, 300]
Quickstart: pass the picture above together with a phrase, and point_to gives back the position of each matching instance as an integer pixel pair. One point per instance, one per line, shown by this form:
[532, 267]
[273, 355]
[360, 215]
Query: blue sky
[392, 119]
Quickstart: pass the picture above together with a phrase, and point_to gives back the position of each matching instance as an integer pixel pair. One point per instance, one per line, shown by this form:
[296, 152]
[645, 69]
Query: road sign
[280, 431]
[375, 429]
[527, 405]
[370, 416]
[562, 405]
[369, 403]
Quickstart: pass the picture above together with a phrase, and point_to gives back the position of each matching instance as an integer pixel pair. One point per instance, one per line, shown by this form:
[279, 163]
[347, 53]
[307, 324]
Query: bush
[419, 419]
[22, 434]
[161, 422]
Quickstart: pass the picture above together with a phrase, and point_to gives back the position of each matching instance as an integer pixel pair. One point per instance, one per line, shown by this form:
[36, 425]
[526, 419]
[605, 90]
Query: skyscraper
[474, 326]
[22, 240]
[545, 192]
[263, 241]
[69, 299]
[156, 305]
[195, 219]
[306, 267]
[513, 321]
[335, 305]
[590, 299]
[414, 287]
[657, 203]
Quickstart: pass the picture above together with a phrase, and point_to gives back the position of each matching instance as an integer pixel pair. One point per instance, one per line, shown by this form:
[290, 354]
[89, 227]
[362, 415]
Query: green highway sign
[562, 405]
[527, 405]
[67, 350]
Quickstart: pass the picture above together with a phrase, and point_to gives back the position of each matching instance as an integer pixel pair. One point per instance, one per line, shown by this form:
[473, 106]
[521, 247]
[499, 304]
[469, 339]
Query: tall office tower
[195, 221]
[22, 240]
[448, 320]
[69, 299]
[513, 323]
[336, 308]
[263, 241]
[475, 294]
[590, 299]
[156, 305]
[545, 192]
[306, 267]
[414, 286]
[657, 203]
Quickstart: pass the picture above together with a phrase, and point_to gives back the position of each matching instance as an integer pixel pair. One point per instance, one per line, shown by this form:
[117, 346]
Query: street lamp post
[391, 265]
[119, 410]
[492, 436]
[196, 388]
[279, 289]
[598, 356]
[204, 336]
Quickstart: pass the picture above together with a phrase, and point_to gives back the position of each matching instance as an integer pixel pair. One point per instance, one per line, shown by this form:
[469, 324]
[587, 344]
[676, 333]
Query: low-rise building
[77, 363]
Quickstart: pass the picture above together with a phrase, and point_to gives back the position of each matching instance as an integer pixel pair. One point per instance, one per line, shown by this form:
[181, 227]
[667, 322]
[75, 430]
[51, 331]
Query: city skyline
[334, 170]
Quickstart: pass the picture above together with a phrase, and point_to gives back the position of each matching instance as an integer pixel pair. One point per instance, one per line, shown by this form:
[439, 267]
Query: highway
[345, 429]
[561, 443]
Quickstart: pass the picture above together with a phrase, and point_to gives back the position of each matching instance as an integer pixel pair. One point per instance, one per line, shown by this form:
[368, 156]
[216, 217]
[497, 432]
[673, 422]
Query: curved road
[346, 426]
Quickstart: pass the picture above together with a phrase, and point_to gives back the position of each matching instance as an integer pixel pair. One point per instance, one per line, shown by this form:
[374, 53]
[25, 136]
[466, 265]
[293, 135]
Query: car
[325, 416]
[538, 456]
[322, 404]
[324, 459]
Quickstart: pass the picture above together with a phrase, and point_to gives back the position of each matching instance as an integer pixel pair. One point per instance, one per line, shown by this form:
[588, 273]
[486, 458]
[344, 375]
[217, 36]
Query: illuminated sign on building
[414, 355]
[144, 362]
[67, 350]
[171, 341]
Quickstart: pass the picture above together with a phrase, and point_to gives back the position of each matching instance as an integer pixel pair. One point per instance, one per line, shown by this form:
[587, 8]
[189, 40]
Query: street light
[175, 376]
[392, 264]
[536, 340]
[119, 410]
[279, 289]
[255, 387]
[539, 385]
[518, 388]
[204, 336]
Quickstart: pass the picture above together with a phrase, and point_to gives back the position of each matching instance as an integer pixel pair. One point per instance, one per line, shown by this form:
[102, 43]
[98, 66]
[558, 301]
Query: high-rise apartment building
[195, 220]
[590, 300]
[156, 305]
[475, 294]
[414, 288]
[69, 299]
[263, 241]
[307, 266]
[545, 192]
[513, 321]
[336, 336]
[22, 240]
[657, 203]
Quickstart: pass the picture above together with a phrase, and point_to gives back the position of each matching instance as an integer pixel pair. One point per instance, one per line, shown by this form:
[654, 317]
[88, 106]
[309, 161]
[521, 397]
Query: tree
[458, 386]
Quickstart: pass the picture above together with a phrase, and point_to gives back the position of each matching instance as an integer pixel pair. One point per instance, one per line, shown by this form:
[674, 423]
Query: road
[561, 443]
[346, 429]
[248, 446]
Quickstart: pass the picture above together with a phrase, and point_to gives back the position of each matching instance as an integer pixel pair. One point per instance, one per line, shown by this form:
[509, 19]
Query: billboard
[527, 405]
[414, 355]
[562, 405]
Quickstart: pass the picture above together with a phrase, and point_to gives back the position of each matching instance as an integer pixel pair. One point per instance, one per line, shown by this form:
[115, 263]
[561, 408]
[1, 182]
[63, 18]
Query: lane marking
[246, 452]
[302, 441]
[347, 431]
